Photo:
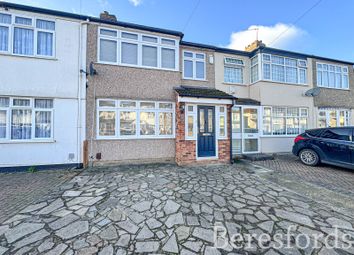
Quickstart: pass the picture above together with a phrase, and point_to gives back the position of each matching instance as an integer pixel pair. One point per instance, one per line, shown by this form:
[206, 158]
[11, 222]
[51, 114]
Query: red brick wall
[224, 145]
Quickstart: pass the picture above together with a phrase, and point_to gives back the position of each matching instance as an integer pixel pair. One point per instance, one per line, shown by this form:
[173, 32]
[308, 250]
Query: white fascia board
[200, 100]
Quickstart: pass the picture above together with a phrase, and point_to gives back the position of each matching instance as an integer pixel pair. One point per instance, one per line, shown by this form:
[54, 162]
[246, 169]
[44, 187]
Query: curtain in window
[43, 124]
[23, 41]
[107, 123]
[129, 53]
[45, 43]
[4, 101]
[165, 123]
[21, 124]
[188, 69]
[5, 18]
[168, 58]
[149, 56]
[108, 50]
[44, 103]
[2, 124]
[200, 74]
[147, 123]
[4, 38]
[45, 24]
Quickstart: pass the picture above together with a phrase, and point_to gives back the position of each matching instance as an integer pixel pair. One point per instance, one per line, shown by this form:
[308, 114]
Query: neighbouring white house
[42, 87]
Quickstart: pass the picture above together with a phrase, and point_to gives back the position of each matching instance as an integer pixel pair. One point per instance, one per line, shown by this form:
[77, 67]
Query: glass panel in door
[236, 131]
[250, 135]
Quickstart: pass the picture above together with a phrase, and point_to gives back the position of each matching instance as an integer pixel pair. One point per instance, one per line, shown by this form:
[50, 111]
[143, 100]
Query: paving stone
[116, 215]
[40, 235]
[2, 250]
[171, 245]
[87, 251]
[17, 217]
[211, 251]
[153, 223]
[72, 193]
[62, 222]
[219, 200]
[46, 245]
[59, 249]
[193, 245]
[109, 233]
[108, 250]
[21, 230]
[204, 234]
[128, 226]
[34, 207]
[72, 230]
[339, 223]
[56, 204]
[182, 232]
[171, 207]
[123, 240]
[294, 217]
[142, 206]
[136, 217]
[144, 233]
[267, 226]
[121, 252]
[174, 219]
[192, 221]
[149, 246]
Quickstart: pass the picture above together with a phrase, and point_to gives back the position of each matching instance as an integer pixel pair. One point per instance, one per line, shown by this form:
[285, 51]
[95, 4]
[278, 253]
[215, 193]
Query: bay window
[284, 120]
[134, 119]
[254, 69]
[26, 118]
[136, 49]
[332, 117]
[30, 36]
[194, 66]
[332, 76]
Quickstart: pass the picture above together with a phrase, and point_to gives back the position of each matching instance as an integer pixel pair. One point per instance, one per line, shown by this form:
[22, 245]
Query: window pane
[188, 69]
[267, 127]
[149, 39]
[302, 76]
[190, 125]
[200, 56]
[290, 62]
[127, 123]
[279, 111]
[5, 18]
[43, 103]
[45, 43]
[266, 71]
[23, 41]
[278, 126]
[107, 103]
[233, 75]
[4, 101]
[129, 53]
[333, 118]
[168, 42]
[319, 78]
[108, 50]
[210, 120]
[277, 60]
[147, 123]
[21, 102]
[165, 105]
[342, 119]
[201, 121]
[331, 80]
[107, 123]
[278, 73]
[127, 104]
[168, 58]
[345, 82]
[222, 125]
[200, 73]
[21, 124]
[292, 111]
[2, 124]
[291, 74]
[251, 145]
[322, 122]
[250, 120]
[23, 21]
[236, 120]
[43, 124]
[4, 38]
[190, 108]
[303, 125]
[254, 73]
[129, 36]
[45, 24]
[188, 54]
[147, 105]
[338, 80]
[165, 123]
[108, 32]
[292, 126]
[149, 56]
[266, 57]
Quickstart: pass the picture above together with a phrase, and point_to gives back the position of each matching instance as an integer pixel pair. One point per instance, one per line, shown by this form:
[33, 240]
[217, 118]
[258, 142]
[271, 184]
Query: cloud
[268, 34]
[136, 2]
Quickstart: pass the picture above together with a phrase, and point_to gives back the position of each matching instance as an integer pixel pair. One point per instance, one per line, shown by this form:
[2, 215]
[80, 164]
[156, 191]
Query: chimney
[108, 17]
[254, 45]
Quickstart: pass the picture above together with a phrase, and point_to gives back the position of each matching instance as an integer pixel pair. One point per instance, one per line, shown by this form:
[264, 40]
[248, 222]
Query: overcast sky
[326, 30]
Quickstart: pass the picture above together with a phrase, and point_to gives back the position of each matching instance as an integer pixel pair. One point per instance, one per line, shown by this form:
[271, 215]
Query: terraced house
[99, 91]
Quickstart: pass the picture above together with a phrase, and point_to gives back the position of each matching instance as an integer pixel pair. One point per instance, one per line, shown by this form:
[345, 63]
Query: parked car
[334, 146]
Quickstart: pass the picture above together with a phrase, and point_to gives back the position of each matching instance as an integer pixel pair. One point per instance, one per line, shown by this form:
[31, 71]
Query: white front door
[245, 129]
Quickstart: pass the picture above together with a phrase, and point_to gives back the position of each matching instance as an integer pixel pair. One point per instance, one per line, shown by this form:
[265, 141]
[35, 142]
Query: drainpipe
[231, 160]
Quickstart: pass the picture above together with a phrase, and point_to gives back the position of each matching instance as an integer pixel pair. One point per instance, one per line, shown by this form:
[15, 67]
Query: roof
[247, 101]
[188, 91]
[21, 7]
[215, 48]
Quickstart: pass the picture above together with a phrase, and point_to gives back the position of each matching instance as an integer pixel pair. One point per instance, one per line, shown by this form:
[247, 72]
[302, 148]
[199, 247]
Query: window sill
[234, 83]
[133, 138]
[191, 79]
[137, 66]
[28, 56]
[27, 141]
[321, 87]
[282, 83]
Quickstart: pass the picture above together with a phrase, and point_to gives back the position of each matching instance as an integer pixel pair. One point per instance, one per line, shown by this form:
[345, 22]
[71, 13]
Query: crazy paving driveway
[169, 209]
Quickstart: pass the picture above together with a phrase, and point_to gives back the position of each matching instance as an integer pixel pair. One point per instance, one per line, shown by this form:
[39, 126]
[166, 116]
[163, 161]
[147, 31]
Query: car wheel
[309, 157]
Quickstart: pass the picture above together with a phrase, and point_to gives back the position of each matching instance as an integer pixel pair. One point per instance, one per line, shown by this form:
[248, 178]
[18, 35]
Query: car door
[337, 144]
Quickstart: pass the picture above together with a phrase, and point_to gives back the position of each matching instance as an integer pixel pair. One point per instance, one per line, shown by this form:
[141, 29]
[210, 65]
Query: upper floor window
[233, 70]
[26, 36]
[135, 49]
[332, 76]
[193, 65]
[254, 69]
[283, 69]
[26, 118]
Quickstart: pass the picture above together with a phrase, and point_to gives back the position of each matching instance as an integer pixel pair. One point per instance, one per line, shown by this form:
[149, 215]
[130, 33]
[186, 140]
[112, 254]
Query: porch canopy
[246, 101]
[195, 94]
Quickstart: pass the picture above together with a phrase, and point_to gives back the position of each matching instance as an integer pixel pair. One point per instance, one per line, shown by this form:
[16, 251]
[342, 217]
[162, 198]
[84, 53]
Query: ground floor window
[328, 117]
[134, 119]
[26, 118]
[284, 120]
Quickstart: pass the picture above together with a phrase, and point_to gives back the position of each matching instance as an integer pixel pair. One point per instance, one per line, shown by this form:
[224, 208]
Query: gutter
[232, 105]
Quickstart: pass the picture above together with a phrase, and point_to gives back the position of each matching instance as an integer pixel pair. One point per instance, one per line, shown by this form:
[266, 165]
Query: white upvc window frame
[235, 65]
[301, 64]
[140, 43]
[33, 27]
[299, 116]
[217, 122]
[194, 61]
[9, 27]
[137, 109]
[33, 119]
[347, 114]
[257, 63]
[194, 115]
[344, 72]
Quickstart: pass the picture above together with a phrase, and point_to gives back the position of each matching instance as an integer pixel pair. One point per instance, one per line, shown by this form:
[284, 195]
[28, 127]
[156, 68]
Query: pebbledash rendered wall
[119, 82]
[56, 78]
